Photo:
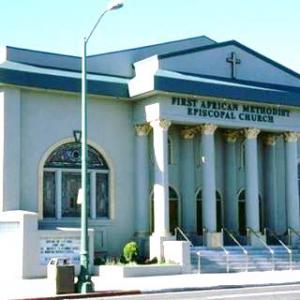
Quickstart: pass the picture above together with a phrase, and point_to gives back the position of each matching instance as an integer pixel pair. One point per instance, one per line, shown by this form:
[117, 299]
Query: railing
[240, 246]
[226, 258]
[289, 251]
[204, 230]
[264, 244]
[177, 229]
[224, 250]
[290, 231]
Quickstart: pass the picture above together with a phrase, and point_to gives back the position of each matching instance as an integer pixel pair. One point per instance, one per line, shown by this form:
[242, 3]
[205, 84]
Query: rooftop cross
[233, 60]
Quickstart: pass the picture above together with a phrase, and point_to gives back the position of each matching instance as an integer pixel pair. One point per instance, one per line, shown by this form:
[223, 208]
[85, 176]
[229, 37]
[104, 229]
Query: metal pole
[84, 284]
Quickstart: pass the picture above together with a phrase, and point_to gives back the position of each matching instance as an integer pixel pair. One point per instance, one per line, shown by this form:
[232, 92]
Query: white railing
[264, 244]
[240, 246]
[289, 251]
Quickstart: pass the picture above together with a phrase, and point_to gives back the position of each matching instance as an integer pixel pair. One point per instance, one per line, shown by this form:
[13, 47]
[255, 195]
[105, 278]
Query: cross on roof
[233, 60]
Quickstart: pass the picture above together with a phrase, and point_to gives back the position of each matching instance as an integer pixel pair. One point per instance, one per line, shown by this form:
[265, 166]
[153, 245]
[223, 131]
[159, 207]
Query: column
[161, 178]
[291, 183]
[209, 177]
[161, 188]
[188, 181]
[270, 194]
[142, 180]
[252, 201]
[231, 215]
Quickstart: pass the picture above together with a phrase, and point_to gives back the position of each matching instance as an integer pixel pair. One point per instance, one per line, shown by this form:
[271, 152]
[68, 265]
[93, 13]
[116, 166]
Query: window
[62, 180]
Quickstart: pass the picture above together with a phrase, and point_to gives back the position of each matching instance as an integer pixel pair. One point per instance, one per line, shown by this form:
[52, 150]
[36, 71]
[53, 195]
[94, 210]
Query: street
[284, 292]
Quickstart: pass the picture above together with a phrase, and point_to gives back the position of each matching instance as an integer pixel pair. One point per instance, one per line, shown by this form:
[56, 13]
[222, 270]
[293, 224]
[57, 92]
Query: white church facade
[192, 134]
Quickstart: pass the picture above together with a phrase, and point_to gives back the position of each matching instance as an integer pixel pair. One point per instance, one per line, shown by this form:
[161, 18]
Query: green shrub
[131, 252]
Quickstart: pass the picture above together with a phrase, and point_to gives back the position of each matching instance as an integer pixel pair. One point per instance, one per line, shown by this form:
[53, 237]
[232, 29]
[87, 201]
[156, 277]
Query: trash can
[61, 273]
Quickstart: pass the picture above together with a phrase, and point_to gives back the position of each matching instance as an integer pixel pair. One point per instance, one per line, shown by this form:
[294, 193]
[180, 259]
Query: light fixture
[77, 136]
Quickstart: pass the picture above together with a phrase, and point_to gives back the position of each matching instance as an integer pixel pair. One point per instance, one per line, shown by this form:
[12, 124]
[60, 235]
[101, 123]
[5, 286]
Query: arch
[97, 148]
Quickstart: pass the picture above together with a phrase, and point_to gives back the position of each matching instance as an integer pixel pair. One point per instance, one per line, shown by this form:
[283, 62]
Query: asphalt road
[284, 292]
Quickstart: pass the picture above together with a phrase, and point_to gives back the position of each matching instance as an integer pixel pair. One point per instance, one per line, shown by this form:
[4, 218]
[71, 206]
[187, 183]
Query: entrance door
[200, 209]
[242, 213]
[173, 211]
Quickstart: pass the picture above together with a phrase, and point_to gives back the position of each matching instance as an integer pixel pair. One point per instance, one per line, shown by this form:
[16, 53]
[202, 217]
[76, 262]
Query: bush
[131, 252]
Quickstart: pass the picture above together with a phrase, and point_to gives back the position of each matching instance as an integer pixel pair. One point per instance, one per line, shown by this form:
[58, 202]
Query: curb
[169, 290]
[88, 295]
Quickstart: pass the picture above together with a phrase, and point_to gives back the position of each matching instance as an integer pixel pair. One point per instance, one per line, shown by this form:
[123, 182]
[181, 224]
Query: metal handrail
[177, 229]
[289, 234]
[289, 251]
[199, 252]
[240, 246]
[265, 245]
[226, 258]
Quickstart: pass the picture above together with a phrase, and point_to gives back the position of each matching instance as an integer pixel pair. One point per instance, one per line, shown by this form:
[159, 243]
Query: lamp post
[84, 283]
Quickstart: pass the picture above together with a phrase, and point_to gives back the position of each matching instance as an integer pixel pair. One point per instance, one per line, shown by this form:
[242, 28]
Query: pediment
[229, 60]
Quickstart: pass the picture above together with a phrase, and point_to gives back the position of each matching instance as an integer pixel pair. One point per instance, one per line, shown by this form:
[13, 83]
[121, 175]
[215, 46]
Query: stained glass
[66, 157]
[101, 195]
[49, 195]
[69, 156]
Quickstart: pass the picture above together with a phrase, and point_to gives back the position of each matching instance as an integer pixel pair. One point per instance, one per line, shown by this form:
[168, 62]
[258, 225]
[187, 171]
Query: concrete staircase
[215, 260]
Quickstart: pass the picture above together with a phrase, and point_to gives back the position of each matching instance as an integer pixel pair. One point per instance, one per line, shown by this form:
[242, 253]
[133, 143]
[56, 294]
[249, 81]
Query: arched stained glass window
[62, 181]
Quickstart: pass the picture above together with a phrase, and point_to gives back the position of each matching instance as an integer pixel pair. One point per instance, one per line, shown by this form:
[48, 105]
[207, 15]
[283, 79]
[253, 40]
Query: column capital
[269, 139]
[251, 133]
[208, 129]
[291, 136]
[188, 133]
[231, 135]
[142, 129]
[161, 123]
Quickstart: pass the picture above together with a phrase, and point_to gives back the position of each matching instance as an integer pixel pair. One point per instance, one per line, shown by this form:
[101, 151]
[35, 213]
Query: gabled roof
[117, 63]
[230, 43]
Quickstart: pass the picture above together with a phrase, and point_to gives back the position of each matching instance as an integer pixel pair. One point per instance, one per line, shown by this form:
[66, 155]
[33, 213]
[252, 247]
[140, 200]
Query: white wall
[48, 118]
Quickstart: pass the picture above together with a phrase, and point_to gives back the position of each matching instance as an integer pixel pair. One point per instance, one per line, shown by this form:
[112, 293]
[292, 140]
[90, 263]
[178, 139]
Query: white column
[291, 183]
[252, 200]
[142, 180]
[270, 180]
[209, 177]
[230, 181]
[161, 178]
[188, 181]
[58, 194]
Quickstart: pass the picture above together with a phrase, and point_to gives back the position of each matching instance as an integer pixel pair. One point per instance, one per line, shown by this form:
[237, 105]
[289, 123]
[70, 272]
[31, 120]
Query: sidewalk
[40, 288]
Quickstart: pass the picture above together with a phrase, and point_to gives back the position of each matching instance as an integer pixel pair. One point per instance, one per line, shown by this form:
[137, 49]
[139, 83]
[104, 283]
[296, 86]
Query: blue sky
[271, 27]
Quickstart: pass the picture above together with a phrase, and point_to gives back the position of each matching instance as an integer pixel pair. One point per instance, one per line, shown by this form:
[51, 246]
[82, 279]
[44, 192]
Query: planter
[137, 270]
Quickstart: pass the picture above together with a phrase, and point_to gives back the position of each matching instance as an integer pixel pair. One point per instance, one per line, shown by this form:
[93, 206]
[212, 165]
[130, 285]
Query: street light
[84, 283]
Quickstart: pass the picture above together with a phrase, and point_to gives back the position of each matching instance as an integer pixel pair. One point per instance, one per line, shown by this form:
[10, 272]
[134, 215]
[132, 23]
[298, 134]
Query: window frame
[71, 221]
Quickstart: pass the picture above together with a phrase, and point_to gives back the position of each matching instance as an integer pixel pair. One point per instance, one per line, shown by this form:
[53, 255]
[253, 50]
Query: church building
[192, 134]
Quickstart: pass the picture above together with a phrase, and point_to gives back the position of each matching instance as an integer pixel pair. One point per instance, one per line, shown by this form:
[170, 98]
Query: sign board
[55, 247]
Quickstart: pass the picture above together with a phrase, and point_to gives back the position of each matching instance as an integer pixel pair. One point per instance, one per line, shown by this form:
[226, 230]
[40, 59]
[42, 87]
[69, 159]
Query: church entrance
[173, 211]
[219, 208]
[242, 213]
